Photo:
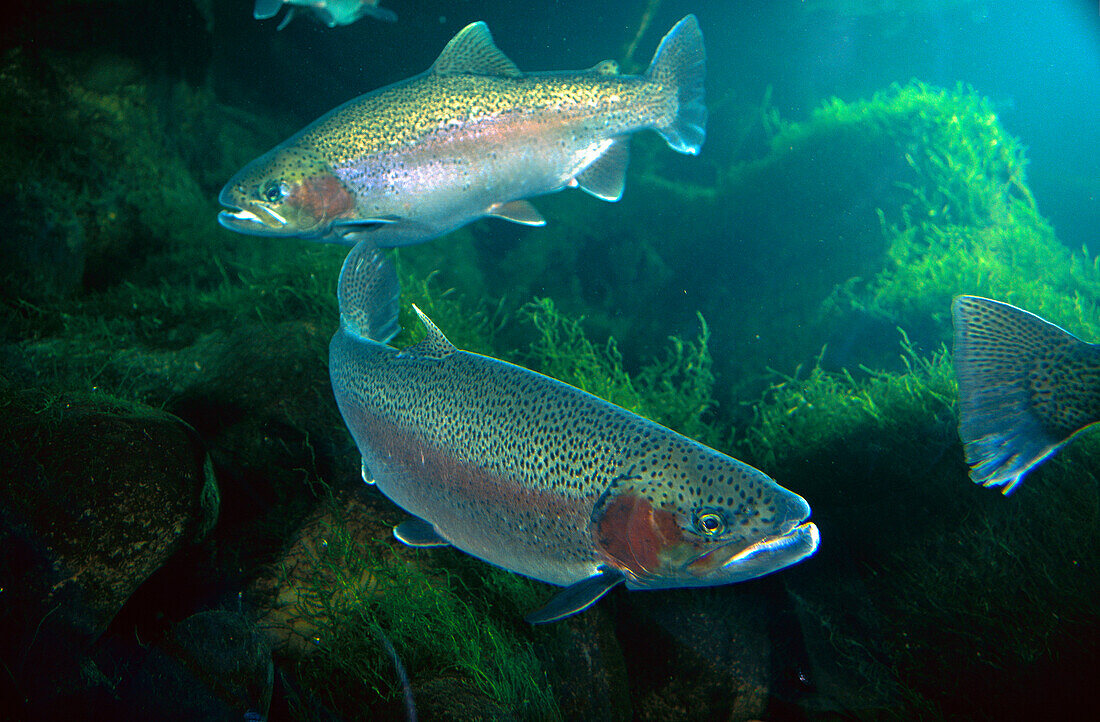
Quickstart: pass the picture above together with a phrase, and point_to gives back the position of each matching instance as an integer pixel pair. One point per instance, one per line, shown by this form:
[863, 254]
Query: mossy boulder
[214, 665]
[917, 564]
[97, 494]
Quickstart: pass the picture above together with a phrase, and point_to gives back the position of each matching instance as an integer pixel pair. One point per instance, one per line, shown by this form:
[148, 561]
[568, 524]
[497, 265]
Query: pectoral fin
[378, 13]
[517, 212]
[365, 224]
[418, 533]
[577, 597]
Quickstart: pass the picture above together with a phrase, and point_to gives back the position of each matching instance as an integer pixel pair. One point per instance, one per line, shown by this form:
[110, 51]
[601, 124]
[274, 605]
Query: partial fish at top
[1026, 387]
[330, 12]
[541, 478]
[469, 138]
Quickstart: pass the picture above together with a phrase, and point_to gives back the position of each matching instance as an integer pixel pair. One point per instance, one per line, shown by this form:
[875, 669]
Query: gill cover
[290, 191]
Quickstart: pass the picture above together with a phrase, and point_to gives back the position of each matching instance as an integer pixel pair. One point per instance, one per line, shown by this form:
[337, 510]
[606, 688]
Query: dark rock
[214, 665]
[706, 653]
[43, 246]
[265, 406]
[586, 668]
[97, 494]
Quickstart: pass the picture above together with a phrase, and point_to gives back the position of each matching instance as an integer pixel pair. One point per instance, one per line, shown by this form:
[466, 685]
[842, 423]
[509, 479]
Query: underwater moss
[969, 223]
[142, 340]
[933, 566]
[799, 416]
[675, 390]
[362, 597]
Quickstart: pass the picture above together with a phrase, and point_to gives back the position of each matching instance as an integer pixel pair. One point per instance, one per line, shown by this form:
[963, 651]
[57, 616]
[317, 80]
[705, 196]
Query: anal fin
[416, 532]
[517, 212]
[577, 597]
[606, 176]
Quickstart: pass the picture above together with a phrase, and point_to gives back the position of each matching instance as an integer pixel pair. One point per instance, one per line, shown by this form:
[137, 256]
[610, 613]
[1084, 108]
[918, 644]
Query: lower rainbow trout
[541, 478]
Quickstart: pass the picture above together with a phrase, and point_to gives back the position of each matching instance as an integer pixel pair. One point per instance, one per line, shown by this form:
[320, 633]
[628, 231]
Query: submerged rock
[707, 653]
[585, 667]
[43, 245]
[97, 494]
[214, 665]
[290, 613]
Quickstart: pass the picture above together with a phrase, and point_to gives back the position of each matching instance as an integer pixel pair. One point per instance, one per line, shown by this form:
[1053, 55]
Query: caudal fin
[368, 294]
[265, 9]
[378, 13]
[681, 63]
[1025, 388]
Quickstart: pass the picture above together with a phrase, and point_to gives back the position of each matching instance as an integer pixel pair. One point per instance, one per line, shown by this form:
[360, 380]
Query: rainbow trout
[1026, 387]
[538, 477]
[471, 137]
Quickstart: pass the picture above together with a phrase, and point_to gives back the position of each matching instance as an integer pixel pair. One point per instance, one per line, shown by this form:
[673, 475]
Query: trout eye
[710, 522]
[272, 191]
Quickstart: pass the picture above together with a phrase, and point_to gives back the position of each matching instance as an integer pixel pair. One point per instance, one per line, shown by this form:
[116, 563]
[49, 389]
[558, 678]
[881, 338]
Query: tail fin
[680, 63]
[378, 13]
[368, 294]
[266, 9]
[1025, 388]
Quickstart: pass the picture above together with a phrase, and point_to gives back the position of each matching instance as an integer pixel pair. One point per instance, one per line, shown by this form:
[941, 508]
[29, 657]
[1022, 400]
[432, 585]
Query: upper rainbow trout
[539, 477]
[469, 138]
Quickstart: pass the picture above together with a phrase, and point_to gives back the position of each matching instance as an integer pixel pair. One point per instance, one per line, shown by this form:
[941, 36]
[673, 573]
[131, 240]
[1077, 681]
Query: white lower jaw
[247, 216]
[801, 540]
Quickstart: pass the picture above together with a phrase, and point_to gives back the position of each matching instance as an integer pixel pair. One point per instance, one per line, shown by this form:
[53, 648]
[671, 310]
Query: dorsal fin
[434, 344]
[472, 52]
[605, 67]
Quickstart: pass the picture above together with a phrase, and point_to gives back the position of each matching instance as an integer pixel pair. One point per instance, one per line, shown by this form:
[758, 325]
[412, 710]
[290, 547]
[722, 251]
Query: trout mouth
[257, 218]
[761, 557]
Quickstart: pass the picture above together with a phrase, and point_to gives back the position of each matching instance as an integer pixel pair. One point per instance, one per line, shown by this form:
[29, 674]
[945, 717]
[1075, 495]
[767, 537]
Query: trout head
[287, 192]
[684, 515]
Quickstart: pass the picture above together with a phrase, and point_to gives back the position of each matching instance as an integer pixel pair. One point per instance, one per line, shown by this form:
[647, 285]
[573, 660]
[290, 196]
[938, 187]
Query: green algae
[968, 222]
[363, 597]
[675, 389]
[799, 417]
[917, 562]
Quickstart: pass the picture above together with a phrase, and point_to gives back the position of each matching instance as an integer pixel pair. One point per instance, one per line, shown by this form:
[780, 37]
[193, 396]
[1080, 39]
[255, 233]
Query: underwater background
[184, 531]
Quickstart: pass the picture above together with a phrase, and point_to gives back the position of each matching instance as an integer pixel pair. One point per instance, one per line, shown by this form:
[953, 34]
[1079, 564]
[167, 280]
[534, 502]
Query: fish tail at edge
[1010, 416]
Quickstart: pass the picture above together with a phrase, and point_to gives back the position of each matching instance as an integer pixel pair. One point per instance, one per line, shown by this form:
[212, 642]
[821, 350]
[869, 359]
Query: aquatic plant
[968, 169]
[968, 222]
[675, 390]
[912, 549]
[470, 324]
[799, 416]
[360, 594]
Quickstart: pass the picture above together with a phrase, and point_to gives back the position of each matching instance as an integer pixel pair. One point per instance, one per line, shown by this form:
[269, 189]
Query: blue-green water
[783, 297]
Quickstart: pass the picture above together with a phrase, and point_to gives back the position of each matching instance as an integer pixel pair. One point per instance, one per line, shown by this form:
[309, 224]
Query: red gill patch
[632, 533]
[323, 197]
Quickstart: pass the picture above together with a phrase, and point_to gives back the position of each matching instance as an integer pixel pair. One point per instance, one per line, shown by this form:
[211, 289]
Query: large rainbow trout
[469, 138]
[539, 477]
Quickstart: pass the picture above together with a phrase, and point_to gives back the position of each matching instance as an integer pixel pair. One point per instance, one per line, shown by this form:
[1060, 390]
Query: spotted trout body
[539, 477]
[470, 138]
